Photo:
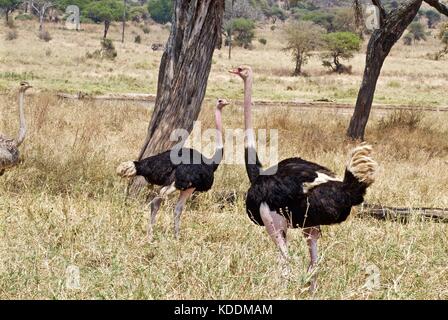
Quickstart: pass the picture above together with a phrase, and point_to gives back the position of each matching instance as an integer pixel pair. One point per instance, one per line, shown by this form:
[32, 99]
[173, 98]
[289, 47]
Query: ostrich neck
[253, 165]
[22, 123]
[217, 157]
[218, 121]
[250, 138]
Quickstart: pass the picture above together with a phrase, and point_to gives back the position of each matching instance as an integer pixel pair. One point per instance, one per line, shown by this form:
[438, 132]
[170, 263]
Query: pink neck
[218, 120]
[250, 138]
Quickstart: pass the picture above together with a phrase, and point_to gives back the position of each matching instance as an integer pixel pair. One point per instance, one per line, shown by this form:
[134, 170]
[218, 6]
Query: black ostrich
[300, 194]
[183, 169]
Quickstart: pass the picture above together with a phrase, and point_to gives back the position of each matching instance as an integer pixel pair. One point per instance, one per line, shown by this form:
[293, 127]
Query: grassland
[64, 205]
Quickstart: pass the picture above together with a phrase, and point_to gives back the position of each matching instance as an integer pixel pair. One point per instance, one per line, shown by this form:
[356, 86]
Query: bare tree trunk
[106, 28]
[124, 21]
[183, 74]
[381, 42]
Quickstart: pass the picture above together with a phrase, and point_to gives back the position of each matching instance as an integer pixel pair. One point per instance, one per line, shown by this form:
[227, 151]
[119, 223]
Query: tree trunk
[7, 15]
[183, 74]
[106, 28]
[298, 69]
[124, 21]
[41, 22]
[380, 44]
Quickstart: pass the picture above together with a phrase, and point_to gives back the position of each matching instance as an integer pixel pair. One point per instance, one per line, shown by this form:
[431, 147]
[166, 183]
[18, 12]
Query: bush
[44, 35]
[161, 11]
[23, 17]
[244, 30]
[11, 35]
[138, 39]
[417, 31]
[407, 119]
[407, 39]
[10, 24]
[107, 51]
[263, 41]
[146, 29]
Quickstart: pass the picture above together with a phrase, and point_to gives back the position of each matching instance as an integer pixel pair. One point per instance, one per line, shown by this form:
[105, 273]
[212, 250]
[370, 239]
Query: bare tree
[183, 73]
[392, 26]
[41, 7]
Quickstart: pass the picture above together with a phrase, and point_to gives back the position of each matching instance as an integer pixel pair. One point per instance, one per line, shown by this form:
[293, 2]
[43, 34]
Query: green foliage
[302, 37]
[107, 51]
[146, 29]
[138, 13]
[9, 6]
[263, 41]
[321, 18]
[244, 30]
[433, 18]
[407, 39]
[23, 17]
[161, 11]
[105, 10]
[417, 31]
[275, 13]
[340, 45]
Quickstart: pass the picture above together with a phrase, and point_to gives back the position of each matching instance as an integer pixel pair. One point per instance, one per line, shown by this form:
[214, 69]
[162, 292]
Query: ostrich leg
[155, 206]
[312, 235]
[183, 197]
[277, 227]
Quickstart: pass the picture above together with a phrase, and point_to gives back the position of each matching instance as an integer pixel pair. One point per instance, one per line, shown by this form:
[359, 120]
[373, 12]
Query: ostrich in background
[300, 194]
[194, 173]
[9, 148]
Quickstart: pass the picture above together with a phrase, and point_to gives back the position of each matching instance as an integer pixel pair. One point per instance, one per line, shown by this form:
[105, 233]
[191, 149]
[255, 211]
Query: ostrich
[300, 194]
[9, 148]
[189, 172]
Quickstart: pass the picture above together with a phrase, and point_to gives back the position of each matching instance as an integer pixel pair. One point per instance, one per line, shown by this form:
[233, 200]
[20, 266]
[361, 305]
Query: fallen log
[404, 215]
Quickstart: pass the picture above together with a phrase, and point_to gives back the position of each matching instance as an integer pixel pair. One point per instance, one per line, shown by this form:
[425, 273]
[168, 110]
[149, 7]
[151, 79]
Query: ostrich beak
[234, 71]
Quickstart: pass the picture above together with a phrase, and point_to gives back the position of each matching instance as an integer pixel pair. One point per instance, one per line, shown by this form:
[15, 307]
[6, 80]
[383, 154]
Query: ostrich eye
[240, 69]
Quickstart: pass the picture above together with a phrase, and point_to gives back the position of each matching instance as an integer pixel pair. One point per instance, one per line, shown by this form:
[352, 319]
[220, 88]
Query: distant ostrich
[9, 148]
[300, 194]
[194, 172]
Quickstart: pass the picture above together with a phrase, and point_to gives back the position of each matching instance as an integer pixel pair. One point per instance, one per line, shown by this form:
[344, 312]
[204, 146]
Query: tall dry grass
[63, 206]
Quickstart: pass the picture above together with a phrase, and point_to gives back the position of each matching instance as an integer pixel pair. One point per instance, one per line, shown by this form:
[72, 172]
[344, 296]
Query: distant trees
[302, 37]
[340, 45]
[161, 11]
[105, 11]
[243, 30]
[41, 7]
[417, 31]
[8, 6]
[433, 18]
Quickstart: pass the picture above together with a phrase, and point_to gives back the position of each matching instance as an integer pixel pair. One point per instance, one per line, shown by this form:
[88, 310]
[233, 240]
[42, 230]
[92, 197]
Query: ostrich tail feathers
[361, 164]
[127, 169]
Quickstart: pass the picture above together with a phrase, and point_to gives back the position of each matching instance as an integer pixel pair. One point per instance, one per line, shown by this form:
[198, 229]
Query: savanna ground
[65, 206]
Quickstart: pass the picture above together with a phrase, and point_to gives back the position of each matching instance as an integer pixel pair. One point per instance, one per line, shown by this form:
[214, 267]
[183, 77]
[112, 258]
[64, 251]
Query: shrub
[417, 31]
[11, 35]
[407, 39]
[44, 35]
[23, 17]
[263, 41]
[146, 29]
[138, 39]
[407, 119]
[160, 10]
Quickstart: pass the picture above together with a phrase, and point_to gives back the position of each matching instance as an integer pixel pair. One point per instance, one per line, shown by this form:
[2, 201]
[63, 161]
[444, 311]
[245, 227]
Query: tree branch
[443, 9]
[379, 5]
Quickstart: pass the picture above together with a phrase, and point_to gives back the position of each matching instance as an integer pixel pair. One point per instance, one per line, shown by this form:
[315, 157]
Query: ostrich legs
[300, 194]
[9, 148]
[194, 172]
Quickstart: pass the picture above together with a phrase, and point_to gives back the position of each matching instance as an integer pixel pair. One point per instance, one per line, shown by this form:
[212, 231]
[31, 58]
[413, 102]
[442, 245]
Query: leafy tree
[302, 37]
[340, 45]
[275, 13]
[105, 11]
[8, 6]
[417, 31]
[344, 20]
[244, 30]
[323, 19]
[161, 11]
[433, 18]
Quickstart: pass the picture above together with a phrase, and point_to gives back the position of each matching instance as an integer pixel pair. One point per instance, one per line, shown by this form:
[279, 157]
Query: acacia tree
[392, 25]
[105, 11]
[183, 74]
[302, 37]
[41, 7]
[8, 6]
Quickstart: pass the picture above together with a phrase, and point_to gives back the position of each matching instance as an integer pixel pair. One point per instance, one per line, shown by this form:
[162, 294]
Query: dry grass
[64, 205]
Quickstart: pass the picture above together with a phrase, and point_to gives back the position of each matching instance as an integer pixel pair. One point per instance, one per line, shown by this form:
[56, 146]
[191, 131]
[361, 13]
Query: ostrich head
[24, 86]
[243, 71]
[221, 103]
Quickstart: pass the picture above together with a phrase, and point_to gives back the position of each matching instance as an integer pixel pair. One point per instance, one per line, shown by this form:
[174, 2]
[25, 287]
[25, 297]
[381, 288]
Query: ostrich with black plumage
[183, 169]
[300, 194]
